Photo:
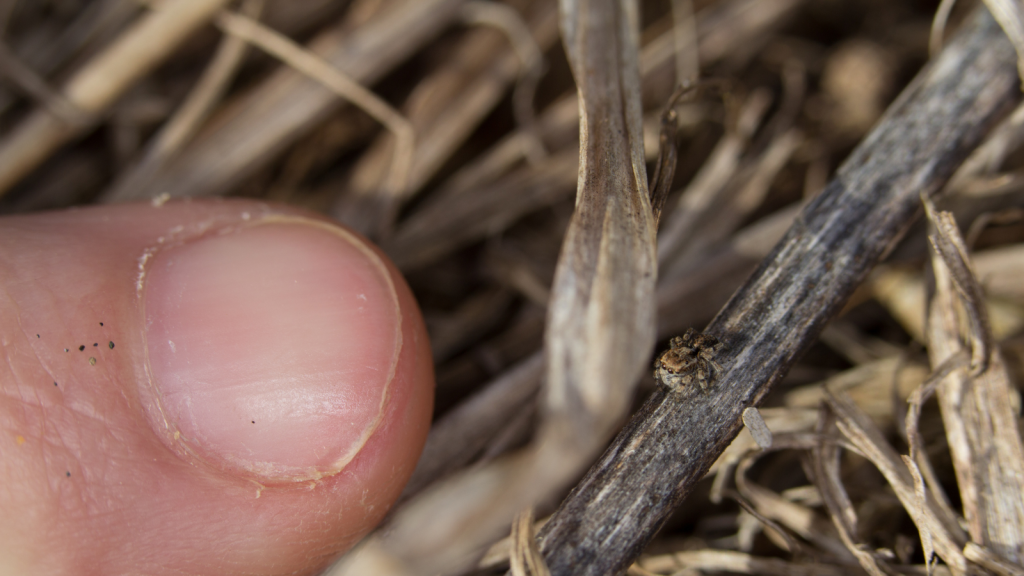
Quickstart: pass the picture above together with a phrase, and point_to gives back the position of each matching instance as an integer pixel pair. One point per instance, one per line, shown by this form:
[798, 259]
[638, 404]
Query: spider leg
[704, 384]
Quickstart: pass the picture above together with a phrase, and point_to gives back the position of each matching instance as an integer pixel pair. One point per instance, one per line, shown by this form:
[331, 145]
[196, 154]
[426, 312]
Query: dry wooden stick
[670, 443]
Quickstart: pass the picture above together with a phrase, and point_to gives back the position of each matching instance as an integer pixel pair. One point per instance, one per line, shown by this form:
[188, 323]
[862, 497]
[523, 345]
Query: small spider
[691, 357]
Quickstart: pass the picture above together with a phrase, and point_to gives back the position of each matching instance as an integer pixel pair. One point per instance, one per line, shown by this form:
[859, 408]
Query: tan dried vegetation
[449, 132]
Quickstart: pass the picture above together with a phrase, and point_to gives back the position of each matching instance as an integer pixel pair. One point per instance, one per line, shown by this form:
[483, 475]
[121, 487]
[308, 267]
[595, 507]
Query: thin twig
[939, 26]
[505, 19]
[665, 167]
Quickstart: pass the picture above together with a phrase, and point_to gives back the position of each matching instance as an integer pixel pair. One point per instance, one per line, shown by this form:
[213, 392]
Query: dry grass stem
[186, 121]
[685, 34]
[95, 87]
[714, 175]
[444, 110]
[946, 539]
[331, 77]
[532, 68]
[288, 104]
[735, 563]
[525, 559]
[803, 521]
[665, 165]
[465, 430]
[939, 26]
[32, 84]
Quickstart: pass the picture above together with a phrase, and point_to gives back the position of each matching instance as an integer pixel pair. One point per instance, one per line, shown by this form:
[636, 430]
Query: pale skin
[90, 485]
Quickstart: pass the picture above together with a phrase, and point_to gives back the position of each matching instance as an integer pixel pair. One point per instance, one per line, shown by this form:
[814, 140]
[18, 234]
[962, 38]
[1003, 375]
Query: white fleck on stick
[758, 429]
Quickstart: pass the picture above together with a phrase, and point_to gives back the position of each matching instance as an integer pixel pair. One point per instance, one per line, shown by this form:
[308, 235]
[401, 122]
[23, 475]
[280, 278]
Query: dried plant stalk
[444, 109]
[945, 536]
[453, 217]
[601, 318]
[736, 563]
[208, 91]
[525, 559]
[269, 118]
[674, 438]
[976, 404]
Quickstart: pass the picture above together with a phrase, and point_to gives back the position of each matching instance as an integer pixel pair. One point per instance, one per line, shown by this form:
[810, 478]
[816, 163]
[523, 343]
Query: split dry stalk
[976, 400]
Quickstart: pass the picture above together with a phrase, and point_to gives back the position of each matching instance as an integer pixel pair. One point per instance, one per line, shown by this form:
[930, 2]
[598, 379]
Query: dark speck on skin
[69, 474]
[37, 336]
[95, 343]
[253, 421]
[101, 323]
[54, 383]
[111, 344]
[82, 347]
[66, 350]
